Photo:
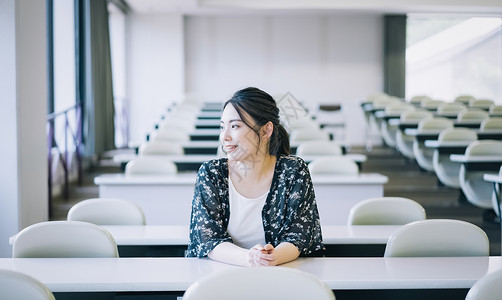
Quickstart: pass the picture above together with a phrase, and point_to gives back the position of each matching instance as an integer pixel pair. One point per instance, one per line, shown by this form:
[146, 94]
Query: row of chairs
[81, 235]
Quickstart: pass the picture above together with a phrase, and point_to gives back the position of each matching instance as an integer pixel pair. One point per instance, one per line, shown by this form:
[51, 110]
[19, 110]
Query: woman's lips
[230, 148]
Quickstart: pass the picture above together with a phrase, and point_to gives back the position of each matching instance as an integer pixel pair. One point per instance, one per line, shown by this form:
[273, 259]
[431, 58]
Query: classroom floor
[406, 179]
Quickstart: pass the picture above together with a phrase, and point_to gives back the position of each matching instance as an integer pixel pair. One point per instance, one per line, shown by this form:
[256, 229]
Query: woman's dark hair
[262, 108]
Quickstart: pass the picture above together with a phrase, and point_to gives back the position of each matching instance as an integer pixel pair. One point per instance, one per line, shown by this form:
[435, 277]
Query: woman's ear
[267, 130]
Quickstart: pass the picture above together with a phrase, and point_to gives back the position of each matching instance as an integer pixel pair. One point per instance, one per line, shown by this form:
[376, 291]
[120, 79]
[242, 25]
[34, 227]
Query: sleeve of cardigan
[207, 228]
[303, 227]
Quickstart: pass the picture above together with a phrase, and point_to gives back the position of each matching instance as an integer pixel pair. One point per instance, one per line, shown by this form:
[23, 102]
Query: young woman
[257, 206]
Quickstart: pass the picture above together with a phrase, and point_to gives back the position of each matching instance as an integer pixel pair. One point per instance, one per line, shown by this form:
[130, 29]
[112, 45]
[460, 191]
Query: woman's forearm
[286, 252]
[230, 253]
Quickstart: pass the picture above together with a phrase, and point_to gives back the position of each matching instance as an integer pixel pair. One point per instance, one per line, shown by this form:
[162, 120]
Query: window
[451, 56]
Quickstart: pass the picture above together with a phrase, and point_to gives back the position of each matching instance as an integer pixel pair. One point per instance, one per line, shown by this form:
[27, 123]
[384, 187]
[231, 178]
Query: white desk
[346, 275]
[496, 179]
[172, 240]
[192, 162]
[167, 199]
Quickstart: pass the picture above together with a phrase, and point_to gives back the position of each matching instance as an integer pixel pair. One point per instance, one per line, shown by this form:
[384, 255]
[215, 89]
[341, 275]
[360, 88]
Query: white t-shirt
[245, 225]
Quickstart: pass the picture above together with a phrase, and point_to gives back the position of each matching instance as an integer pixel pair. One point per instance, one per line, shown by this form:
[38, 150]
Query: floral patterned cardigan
[289, 214]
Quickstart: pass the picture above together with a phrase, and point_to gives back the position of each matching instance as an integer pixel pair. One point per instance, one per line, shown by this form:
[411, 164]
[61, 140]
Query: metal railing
[67, 143]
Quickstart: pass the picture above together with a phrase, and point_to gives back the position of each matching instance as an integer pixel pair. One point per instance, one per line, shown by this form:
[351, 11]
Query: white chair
[450, 109]
[386, 211]
[484, 104]
[447, 170]
[431, 105]
[438, 237]
[465, 99]
[64, 239]
[488, 287]
[160, 147]
[19, 286]
[476, 190]
[322, 147]
[172, 135]
[333, 166]
[259, 283]
[177, 123]
[496, 111]
[416, 100]
[303, 123]
[107, 211]
[472, 116]
[491, 123]
[404, 142]
[308, 134]
[150, 165]
[424, 155]
[388, 130]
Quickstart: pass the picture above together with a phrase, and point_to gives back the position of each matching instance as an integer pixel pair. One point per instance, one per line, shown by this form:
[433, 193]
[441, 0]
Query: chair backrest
[64, 239]
[416, 100]
[150, 165]
[465, 99]
[303, 123]
[431, 104]
[160, 147]
[436, 123]
[319, 148]
[19, 286]
[107, 211]
[398, 108]
[491, 123]
[482, 103]
[451, 109]
[472, 115]
[337, 165]
[259, 283]
[484, 148]
[496, 110]
[179, 123]
[458, 134]
[172, 135]
[386, 211]
[488, 287]
[438, 237]
[415, 115]
[308, 134]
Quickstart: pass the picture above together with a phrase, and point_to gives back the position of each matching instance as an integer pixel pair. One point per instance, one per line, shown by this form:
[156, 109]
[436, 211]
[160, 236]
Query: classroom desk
[478, 163]
[167, 199]
[496, 179]
[192, 162]
[172, 240]
[434, 134]
[349, 278]
[447, 147]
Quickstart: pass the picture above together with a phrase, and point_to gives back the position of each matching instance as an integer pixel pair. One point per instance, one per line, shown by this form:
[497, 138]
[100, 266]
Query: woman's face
[238, 140]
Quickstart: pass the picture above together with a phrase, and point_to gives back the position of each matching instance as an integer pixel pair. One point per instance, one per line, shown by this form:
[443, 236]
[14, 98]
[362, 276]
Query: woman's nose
[224, 136]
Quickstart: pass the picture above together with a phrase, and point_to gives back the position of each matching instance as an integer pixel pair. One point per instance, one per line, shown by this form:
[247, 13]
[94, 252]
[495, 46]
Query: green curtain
[395, 55]
[98, 104]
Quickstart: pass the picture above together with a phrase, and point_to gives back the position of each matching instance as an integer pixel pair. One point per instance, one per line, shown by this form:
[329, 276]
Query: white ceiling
[489, 7]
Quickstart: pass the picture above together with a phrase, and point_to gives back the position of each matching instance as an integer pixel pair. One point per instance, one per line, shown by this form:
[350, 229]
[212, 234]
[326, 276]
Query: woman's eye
[235, 126]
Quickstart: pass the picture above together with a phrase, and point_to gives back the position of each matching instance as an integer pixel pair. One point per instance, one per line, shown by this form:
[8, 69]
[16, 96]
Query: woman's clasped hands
[261, 255]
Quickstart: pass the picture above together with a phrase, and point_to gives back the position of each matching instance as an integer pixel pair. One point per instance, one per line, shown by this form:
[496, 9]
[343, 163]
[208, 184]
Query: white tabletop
[439, 144]
[179, 234]
[463, 159]
[493, 178]
[194, 158]
[188, 178]
[177, 274]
